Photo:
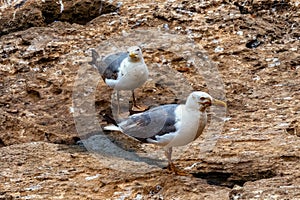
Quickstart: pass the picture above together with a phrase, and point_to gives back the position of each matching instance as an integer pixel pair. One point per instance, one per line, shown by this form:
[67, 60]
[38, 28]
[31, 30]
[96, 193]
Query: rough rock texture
[44, 49]
[20, 15]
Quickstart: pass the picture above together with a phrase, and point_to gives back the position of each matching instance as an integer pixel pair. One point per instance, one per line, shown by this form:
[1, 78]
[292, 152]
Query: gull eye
[137, 49]
[202, 98]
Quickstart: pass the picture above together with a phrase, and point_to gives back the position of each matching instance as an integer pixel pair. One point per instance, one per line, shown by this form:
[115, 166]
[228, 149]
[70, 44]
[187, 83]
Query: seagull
[122, 70]
[169, 125]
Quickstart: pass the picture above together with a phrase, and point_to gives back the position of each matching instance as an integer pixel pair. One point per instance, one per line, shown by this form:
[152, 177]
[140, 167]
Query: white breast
[187, 129]
[132, 75]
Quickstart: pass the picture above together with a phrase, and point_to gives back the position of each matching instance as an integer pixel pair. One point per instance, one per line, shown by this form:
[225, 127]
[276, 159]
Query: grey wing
[112, 65]
[156, 121]
[109, 66]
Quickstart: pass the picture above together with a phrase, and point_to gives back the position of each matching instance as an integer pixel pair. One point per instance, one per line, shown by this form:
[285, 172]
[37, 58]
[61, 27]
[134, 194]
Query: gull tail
[110, 120]
[111, 83]
[96, 61]
[111, 128]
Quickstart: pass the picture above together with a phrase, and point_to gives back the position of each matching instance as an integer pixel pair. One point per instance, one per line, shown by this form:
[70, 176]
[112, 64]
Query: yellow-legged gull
[123, 70]
[169, 125]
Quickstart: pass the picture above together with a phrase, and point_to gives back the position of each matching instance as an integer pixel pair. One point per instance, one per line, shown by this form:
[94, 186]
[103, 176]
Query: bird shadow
[104, 145]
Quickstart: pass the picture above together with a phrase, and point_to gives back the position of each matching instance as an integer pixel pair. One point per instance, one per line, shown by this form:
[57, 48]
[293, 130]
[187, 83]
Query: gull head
[201, 100]
[134, 53]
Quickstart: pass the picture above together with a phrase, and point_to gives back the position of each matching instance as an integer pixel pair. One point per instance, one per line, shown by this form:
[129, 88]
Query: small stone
[219, 49]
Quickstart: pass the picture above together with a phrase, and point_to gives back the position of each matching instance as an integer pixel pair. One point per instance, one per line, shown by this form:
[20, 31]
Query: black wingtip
[109, 119]
[95, 57]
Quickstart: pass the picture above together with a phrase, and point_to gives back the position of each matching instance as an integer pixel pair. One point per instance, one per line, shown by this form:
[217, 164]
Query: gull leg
[168, 154]
[133, 99]
[135, 107]
[171, 167]
[120, 112]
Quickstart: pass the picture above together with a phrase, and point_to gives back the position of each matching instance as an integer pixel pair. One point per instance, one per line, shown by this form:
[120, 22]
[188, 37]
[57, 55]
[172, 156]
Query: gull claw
[138, 108]
[171, 167]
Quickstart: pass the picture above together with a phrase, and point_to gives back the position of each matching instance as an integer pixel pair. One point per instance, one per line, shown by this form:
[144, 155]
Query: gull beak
[132, 54]
[219, 103]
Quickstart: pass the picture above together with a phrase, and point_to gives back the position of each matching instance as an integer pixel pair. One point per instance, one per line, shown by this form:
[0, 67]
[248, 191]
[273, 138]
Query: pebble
[219, 49]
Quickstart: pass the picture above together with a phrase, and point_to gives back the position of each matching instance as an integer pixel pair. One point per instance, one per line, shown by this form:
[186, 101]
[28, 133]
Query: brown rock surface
[22, 14]
[43, 68]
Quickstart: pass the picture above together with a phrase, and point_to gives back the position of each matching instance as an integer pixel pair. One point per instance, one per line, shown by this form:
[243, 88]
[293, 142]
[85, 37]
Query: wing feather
[157, 121]
[109, 66]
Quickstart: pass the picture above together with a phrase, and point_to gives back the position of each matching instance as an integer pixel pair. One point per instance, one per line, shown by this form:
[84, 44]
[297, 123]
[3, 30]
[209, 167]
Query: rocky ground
[44, 70]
